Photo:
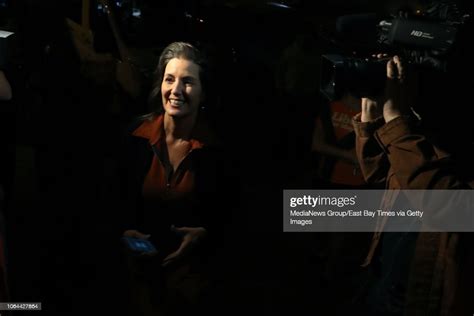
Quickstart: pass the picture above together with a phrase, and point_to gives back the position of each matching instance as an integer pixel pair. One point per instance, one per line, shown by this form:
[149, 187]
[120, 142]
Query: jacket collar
[152, 129]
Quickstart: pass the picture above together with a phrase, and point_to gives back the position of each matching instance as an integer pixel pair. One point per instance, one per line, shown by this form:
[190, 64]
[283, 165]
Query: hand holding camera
[395, 101]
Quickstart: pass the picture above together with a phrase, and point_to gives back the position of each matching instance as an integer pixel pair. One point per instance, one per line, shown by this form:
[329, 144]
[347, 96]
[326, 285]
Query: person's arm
[416, 161]
[418, 164]
[5, 88]
[373, 161]
[375, 112]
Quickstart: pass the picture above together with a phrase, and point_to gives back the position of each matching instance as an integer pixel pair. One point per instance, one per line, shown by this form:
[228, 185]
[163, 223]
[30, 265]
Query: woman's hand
[136, 234]
[191, 236]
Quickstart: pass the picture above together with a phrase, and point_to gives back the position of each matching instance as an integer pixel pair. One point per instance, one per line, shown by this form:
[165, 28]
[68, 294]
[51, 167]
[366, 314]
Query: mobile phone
[138, 245]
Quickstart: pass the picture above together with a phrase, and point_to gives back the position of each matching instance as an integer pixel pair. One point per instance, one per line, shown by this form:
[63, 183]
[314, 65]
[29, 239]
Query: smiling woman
[181, 69]
[172, 188]
[181, 88]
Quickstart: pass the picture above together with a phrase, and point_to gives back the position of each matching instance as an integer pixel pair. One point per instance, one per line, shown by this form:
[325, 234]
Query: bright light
[279, 5]
[136, 12]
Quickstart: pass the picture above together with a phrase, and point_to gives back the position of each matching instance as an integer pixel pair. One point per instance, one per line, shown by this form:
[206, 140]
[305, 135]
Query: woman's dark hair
[177, 50]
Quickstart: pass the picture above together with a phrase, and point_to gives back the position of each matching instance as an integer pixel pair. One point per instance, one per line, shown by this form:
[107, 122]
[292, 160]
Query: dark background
[63, 134]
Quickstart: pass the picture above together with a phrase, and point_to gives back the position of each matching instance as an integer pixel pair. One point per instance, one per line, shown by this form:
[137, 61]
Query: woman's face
[181, 88]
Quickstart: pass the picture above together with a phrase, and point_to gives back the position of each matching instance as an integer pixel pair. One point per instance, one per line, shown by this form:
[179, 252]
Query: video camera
[424, 38]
